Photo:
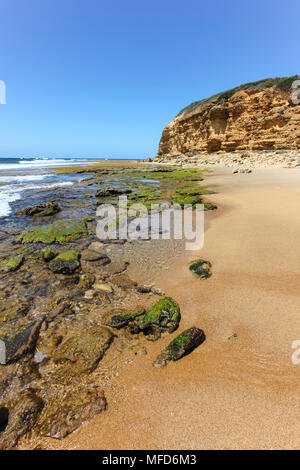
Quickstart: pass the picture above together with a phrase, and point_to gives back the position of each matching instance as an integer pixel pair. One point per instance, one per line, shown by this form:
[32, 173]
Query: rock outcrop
[257, 116]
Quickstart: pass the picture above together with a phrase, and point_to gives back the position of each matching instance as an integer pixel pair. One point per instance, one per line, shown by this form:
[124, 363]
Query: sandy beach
[229, 393]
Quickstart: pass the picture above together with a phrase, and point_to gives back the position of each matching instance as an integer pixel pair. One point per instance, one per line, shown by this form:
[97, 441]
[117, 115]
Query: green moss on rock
[186, 200]
[208, 206]
[200, 268]
[183, 344]
[11, 264]
[164, 314]
[60, 231]
[66, 262]
[47, 254]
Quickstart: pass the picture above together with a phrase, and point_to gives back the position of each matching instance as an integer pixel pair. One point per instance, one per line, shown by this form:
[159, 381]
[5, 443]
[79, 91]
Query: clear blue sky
[103, 78]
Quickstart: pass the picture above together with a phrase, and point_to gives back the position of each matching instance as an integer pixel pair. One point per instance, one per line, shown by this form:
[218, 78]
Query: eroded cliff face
[254, 119]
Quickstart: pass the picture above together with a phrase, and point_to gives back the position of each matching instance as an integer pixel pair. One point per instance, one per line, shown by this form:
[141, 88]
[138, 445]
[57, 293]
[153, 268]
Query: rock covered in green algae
[11, 264]
[208, 206]
[183, 344]
[22, 342]
[163, 314]
[106, 192]
[40, 210]
[75, 408]
[186, 199]
[80, 353]
[66, 262]
[18, 417]
[60, 231]
[47, 254]
[119, 320]
[200, 268]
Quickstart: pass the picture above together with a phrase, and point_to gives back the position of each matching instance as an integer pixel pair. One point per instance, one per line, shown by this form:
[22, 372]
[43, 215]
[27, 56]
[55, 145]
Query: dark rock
[66, 262]
[121, 319]
[200, 268]
[22, 342]
[183, 344]
[163, 315]
[106, 192]
[40, 210]
[18, 417]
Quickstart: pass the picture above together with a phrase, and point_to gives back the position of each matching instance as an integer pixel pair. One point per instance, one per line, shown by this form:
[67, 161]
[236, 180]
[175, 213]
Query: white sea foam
[40, 163]
[22, 178]
[11, 193]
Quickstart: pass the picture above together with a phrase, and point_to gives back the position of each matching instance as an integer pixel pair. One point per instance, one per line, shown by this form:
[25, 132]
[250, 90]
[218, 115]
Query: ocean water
[18, 175]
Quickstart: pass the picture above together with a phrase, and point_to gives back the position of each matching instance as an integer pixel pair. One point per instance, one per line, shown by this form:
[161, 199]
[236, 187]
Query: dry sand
[229, 393]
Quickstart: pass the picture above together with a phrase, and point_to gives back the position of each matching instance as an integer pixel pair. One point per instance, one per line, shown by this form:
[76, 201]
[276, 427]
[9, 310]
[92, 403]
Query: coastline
[238, 393]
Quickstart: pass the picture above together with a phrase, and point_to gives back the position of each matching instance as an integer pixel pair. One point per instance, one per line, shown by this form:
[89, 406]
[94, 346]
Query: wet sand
[229, 393]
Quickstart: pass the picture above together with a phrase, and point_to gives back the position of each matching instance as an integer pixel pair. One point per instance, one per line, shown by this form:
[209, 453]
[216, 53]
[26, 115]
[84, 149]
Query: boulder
[107, 192]
[200, 268]
[11, 264]
[66, 262]
[40, 210]
[183, 344]
[22, 342]
[163, 315]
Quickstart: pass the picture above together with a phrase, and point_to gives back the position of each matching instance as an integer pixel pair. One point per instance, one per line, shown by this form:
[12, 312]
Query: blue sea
[24, 174]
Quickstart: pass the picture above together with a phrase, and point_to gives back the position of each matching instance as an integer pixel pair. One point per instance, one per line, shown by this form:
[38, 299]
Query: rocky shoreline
[237, 159]
[67, 298]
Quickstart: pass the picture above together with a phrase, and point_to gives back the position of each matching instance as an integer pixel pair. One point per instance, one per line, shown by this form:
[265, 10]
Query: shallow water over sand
[240, 392]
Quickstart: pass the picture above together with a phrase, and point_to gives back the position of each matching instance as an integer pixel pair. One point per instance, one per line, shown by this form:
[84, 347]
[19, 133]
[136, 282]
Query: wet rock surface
[60, 231]
[18, 417]
[200, 268]
[66, 262]
[183, 344]
[106, 192]
[11, 264]
[40, 210]
[75, 408]
[69, 304]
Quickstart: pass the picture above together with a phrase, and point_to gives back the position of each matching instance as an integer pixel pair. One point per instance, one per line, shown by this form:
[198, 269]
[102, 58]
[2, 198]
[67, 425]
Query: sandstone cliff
[256, 116]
